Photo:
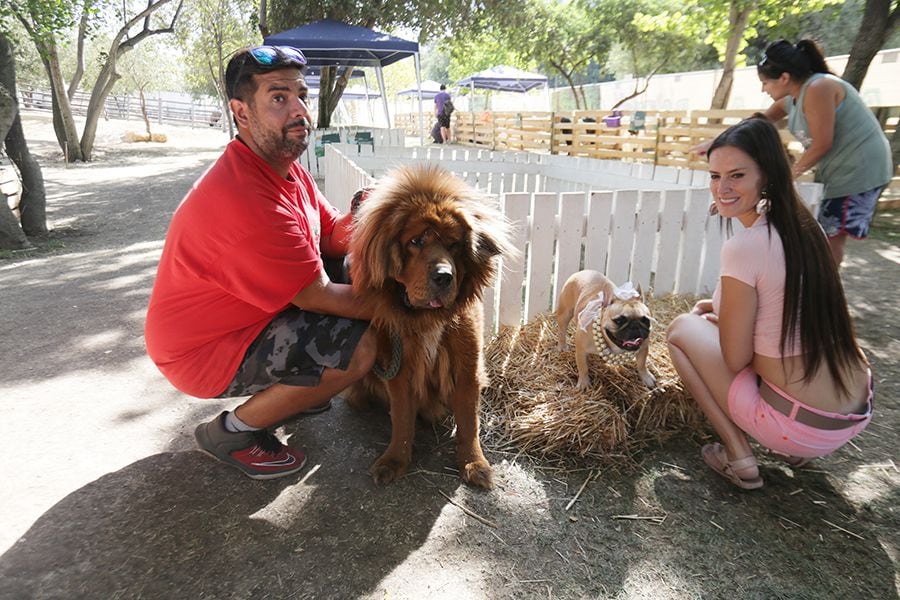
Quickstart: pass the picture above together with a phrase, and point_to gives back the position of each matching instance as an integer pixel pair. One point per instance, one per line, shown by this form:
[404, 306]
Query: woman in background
[840, 135]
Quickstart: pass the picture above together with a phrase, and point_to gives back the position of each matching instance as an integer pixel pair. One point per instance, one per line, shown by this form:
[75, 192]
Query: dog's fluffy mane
[435, 197]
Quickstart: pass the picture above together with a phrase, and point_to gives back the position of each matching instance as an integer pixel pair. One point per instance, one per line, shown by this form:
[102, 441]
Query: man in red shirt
[242, 304]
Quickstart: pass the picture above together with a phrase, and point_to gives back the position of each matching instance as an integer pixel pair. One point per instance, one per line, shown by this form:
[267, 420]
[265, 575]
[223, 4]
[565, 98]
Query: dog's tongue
[435, 303]
[636, 342]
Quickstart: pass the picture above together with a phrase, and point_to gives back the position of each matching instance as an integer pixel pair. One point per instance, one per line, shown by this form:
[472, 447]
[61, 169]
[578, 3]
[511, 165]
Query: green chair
[325, 138]
[363, 137]
[638, 122]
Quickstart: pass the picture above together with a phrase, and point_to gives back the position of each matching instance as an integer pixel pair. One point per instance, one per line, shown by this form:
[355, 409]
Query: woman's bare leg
[836, 244]
[697, 356]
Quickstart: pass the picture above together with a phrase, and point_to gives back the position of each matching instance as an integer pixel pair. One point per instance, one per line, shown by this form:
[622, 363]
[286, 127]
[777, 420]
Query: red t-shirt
[240, 246]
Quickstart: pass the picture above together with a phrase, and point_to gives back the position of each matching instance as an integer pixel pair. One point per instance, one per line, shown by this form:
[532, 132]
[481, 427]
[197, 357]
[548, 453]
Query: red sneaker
[258, 454]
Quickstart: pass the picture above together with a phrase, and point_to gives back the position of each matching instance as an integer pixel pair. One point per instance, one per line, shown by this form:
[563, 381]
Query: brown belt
[807, 417]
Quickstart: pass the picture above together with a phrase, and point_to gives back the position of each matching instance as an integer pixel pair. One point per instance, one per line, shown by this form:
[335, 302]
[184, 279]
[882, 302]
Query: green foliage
[652, 36]
[834, 26]
[433, 19]
[481, 50]
[208, 34]
[708, 20]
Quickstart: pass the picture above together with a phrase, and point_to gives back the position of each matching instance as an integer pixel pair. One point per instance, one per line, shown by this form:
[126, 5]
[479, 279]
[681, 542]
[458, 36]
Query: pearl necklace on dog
[605, 351]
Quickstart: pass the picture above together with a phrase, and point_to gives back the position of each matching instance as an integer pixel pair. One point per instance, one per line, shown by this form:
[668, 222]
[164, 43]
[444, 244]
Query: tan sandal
[796, 462]
[716, 458]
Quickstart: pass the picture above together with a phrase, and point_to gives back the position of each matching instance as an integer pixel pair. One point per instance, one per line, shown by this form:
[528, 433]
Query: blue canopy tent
[329, 42]
[503, 78]
[428, 89]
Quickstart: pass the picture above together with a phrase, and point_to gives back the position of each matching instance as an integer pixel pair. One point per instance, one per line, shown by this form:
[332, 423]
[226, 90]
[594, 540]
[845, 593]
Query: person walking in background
[773, 354]
[840, 135]
[242, 304]
[442, 102]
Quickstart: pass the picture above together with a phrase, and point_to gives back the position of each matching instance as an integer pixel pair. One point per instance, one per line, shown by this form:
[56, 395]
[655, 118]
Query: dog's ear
[377, 255]
[487, 237]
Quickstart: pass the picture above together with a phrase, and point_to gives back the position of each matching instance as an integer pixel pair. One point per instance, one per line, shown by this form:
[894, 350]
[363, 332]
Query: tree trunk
[33, 204]
[79, 54]
[11, 235]
[739, 15]
[331, 87]
[144, 113]
[63, 121]
[895, 148]
[106, 79]
[123, 42]
[877, 24]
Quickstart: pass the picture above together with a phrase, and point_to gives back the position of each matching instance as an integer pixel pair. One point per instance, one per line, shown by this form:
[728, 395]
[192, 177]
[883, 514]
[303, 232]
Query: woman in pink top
[773, 354]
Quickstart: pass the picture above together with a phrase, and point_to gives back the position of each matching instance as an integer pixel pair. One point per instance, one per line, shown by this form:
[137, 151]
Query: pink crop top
[754, 257]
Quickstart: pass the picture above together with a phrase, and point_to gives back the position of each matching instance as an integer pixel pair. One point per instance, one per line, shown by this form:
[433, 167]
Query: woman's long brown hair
[813, 295]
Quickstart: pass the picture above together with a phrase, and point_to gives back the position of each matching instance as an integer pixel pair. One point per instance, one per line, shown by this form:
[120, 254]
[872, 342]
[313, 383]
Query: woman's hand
[701, 148]
[702, 307]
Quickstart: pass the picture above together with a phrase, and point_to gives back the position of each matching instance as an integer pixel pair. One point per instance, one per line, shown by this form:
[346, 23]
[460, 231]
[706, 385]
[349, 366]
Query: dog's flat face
[626, 324]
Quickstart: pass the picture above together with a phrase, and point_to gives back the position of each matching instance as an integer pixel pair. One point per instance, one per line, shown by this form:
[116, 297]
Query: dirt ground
[105, 496]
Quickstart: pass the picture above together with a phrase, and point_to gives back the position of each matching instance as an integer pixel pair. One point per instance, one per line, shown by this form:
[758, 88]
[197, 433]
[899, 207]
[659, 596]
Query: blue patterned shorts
[849, 214]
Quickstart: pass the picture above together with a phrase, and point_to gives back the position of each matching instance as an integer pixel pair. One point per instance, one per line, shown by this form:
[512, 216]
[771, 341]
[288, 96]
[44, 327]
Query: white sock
[234, 424]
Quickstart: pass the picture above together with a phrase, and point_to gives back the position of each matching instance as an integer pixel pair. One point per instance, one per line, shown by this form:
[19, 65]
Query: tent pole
[368, 99]
[384, 102]
[419, 87]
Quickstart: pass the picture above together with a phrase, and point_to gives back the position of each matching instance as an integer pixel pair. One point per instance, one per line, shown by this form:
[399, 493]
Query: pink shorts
[781, 433]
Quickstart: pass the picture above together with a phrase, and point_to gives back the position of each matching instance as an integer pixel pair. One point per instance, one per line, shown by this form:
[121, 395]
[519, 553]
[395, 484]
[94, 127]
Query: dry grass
[532, 408]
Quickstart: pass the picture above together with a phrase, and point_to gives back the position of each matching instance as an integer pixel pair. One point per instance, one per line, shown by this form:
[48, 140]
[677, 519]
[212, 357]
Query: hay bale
[131, 136]
[531, 406]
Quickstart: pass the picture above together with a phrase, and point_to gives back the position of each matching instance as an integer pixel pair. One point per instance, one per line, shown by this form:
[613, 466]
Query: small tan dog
[611, 322]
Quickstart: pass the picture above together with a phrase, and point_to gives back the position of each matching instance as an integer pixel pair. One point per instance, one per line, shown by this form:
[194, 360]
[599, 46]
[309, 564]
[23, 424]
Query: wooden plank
[645, 237]
[669, 246]
[692, 241]
[515, 207]
[623, 222]
[597, 236]
[540, 256]
[572, 211]
[712, 247]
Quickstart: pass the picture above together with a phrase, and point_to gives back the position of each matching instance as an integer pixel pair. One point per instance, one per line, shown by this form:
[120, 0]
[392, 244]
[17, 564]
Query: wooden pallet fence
[666, 137]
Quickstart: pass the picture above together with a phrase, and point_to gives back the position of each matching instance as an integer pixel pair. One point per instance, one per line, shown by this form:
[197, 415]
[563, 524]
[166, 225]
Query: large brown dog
[423, 250]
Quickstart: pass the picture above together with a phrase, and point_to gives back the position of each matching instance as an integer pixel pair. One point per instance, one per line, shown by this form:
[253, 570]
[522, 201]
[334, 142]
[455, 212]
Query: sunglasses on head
[768, 61]
[276, 56]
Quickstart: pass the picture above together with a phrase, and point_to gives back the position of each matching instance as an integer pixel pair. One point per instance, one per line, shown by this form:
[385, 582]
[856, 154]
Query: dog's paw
[649, 379]
[564, 347]
[584, 383]
[387, 470]
[478, 473]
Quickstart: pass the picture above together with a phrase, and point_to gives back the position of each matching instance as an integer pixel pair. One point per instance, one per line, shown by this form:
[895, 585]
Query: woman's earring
[713, 209]
[764, 204]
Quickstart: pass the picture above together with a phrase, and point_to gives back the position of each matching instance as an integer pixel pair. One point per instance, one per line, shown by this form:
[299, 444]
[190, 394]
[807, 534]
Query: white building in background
[694, 90]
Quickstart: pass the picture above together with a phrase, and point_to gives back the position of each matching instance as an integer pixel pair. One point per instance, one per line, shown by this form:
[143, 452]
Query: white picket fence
[650, 227]
[381, 138]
